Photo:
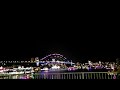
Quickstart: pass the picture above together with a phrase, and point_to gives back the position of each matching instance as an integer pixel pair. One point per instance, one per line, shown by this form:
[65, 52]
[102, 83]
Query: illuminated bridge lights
[51, 56]
[15, 61]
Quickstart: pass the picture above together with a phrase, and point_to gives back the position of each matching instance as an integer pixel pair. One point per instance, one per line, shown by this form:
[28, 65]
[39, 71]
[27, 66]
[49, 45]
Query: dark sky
[75, 46]
[89, 34]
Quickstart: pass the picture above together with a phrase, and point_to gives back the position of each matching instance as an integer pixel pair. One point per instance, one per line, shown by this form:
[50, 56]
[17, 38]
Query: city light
[57, 63]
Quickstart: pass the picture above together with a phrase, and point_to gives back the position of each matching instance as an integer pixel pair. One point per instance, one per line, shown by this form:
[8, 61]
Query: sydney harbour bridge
[53, 58]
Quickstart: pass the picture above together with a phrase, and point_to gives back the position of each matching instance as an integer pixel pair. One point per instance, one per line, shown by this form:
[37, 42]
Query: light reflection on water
[52, 74]
[48, 72]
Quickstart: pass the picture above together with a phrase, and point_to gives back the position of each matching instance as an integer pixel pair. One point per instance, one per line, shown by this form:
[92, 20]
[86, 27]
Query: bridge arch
[54, 56]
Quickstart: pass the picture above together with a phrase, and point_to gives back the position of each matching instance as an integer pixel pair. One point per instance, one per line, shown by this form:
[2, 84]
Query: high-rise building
[37, 61]
[32, 60]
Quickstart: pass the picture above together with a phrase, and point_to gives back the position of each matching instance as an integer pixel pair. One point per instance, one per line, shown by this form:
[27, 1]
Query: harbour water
[78, 74]
[63, 75]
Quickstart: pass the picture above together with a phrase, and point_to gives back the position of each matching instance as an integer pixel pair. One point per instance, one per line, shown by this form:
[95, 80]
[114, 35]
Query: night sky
[77, 37]
[73, 46]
